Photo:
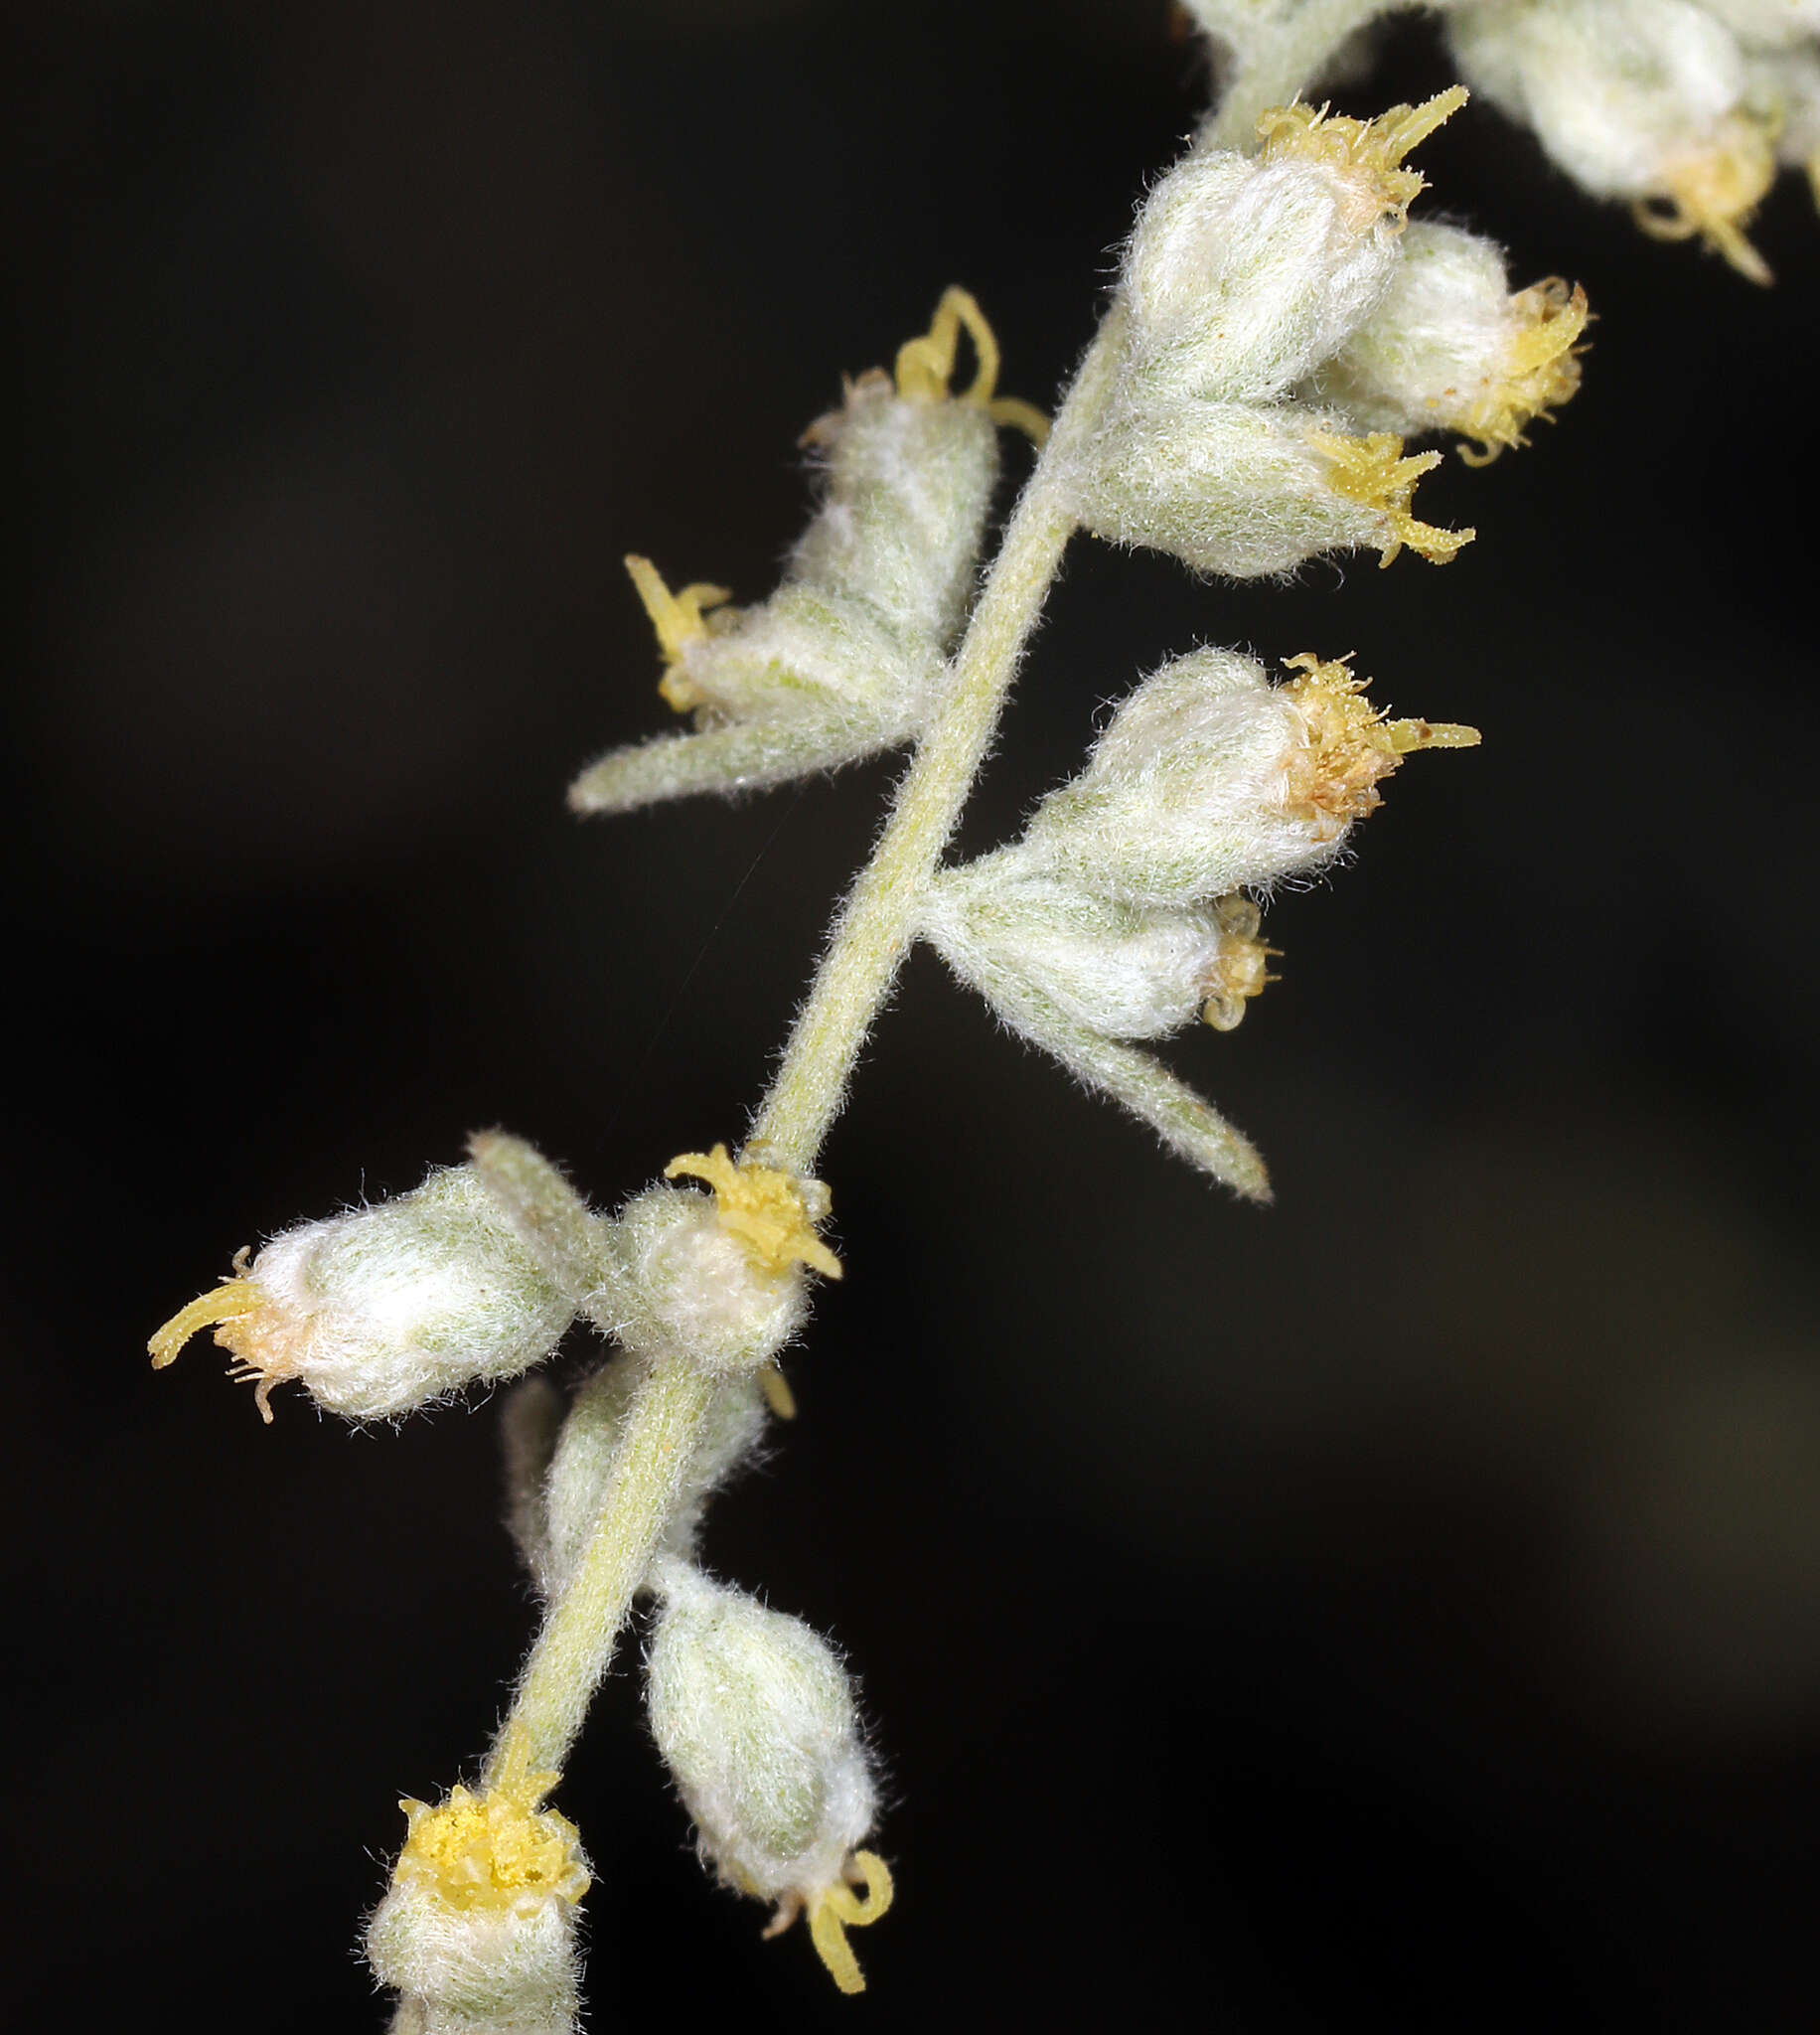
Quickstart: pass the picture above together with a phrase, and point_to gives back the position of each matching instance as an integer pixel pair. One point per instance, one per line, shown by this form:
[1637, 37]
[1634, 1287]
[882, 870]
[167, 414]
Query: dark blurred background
[1399, 1606]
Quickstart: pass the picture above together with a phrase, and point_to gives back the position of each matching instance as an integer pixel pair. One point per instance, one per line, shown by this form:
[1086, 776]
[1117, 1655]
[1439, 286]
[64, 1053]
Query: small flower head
[477, 1929]
[755, 1718]
[390, 1306]
[1350, 746]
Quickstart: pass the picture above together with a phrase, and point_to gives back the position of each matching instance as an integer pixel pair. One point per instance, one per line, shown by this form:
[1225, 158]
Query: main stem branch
[869, 940]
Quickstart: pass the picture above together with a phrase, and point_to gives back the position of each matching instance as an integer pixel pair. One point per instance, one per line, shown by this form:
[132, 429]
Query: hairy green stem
[1282, 60]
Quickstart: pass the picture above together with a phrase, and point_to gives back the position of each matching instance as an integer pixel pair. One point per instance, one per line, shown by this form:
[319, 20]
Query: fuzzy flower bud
[755, 1718]
[1122, 970]
[844, 659]
[1638, 99]
[559, 1470]
[1210, 779]
[1450, 349]
[390, 1306]
[477, 1929]
[719, 1282]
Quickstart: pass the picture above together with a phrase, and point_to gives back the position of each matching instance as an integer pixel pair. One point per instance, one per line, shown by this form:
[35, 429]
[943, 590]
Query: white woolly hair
[1437, 342]
[1615, 89]
[1125, 971]
[1769, 24]
[1183, 798]
[755, 1718]
[476, 1970]
[391, 1307]
[558, 1469]
[1228, 488]
[1242, 276]
[686, 1283]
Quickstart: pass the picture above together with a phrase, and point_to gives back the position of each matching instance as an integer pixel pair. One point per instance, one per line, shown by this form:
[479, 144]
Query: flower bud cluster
[755, 1718]
[1119, 914]
[1683, 109]
[473, 1277]
[1277, 348]
[847, 657]
[477, 1931]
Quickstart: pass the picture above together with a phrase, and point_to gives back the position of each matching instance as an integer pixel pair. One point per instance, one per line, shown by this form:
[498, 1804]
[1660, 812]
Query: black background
[1400, 1606]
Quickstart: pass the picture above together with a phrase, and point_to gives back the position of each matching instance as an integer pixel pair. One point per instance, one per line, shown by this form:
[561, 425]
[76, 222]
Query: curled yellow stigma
[497, 1849]
[246, 1325]
[835, 1909]
[1540, 369]
[772, 1213]
[926, 366]
[1715, 192]
[1238, 971]
[1369, 153]
[1373, 472]
[679, 619]
[1350, 744]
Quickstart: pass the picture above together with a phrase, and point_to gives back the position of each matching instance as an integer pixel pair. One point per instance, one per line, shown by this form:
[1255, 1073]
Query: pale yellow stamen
[777, 1395]
[1238, 972]
[1350, 744]
[679, 619]
[1369, 153]
[1373, 472]
[246, 1325]
[1715, 192]
[926, 366]
[835, 1909]
[1540, 369]
[496, 1849]
[772, 1213]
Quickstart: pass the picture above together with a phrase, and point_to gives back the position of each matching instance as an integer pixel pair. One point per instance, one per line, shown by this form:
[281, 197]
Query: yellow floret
[926, 364]
[1540, 369]
[1334, 779]
[1715, 192]
[1369, 153]
[1373, 472]
[680, 620]
[496, 1849]
[772, 1213]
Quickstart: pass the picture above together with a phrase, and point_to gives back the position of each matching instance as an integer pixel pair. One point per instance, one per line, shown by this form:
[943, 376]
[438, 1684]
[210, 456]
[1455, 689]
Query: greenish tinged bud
[395, 1306]
[688, 1285]
[755, 1718]
[1124, 970]
[1450, 348]
[559, 1467]
[1648, 101]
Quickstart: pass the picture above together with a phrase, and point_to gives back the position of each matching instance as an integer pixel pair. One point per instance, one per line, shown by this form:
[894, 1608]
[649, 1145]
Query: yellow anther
[926, 364]
[772, 1213]
[680, 620]
[1237, 972]
[836, 1909]
[1351, 747]
[1371, 150]
[1373, 472]
[777, 1395]
[1540, 369]
[496, 1849]
[1715, 192]
[246, 1325]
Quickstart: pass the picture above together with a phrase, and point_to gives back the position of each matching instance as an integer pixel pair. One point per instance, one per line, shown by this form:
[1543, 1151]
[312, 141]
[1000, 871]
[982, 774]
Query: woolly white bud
[844, 659]
[1642, 100]
[559, 1470]
[1122, 970]
[394, 1306]
[477, 1929]
[1767, 24]
[1450, 349]
[755, 1718]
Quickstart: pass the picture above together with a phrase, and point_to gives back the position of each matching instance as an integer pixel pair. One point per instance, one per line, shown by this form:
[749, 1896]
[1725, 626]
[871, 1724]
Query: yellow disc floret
[772, 1213]
[1539, 372]
[680, 620]
[1351, 747]
[254, 1331]
[1237, 972]
[834, 1910]
[926, 366]
[1368, 153]
[497, 1849]
[1373, 472]
[1715, 191]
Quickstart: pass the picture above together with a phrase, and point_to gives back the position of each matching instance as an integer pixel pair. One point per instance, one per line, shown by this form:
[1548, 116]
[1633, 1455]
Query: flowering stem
[875, 927]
